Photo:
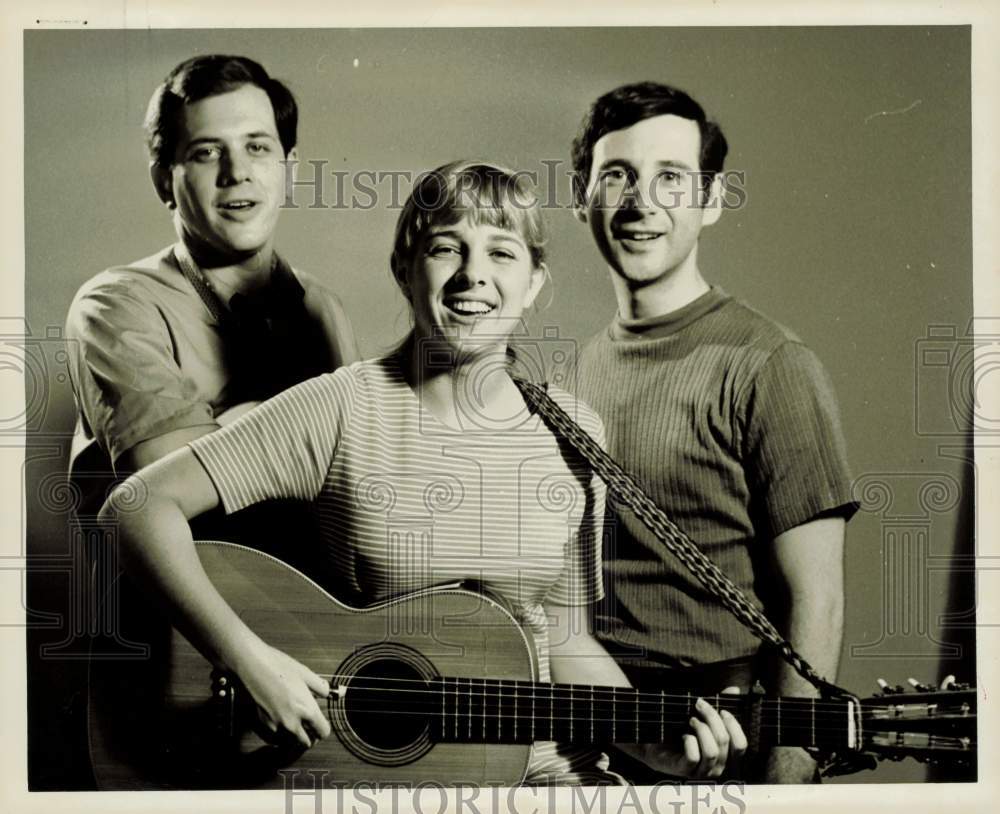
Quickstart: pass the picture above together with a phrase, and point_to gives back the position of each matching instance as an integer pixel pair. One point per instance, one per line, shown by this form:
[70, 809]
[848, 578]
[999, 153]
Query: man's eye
[669, 177]
[205, 154]
[258, 148]
[614, 175]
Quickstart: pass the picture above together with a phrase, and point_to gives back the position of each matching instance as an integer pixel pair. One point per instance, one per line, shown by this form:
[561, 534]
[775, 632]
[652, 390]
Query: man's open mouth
[237, 206]
[638, 236]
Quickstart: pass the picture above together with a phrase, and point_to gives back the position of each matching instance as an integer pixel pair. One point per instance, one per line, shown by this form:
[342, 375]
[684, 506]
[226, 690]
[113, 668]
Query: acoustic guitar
[439, 685]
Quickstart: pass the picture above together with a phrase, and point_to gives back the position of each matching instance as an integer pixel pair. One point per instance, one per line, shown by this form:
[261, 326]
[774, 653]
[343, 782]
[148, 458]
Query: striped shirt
[404, 502]
[731, 425]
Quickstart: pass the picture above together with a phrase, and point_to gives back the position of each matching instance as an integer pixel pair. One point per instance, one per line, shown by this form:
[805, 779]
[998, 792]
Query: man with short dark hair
[725, 417]
[170, 347]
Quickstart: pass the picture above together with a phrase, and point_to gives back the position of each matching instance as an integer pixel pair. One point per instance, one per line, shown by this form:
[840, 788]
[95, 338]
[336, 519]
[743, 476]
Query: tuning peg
[889, 689]
[948, 683]
[918, 686]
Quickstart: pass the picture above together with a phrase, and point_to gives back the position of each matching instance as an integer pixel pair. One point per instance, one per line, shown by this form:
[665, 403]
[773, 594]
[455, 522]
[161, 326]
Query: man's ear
[712, 210]
[288, 166]
[163, 184]
[579, 200]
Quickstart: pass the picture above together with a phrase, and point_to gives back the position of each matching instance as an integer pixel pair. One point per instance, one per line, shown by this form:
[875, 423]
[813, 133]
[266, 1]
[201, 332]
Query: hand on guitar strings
[716, 741]
[286, 693]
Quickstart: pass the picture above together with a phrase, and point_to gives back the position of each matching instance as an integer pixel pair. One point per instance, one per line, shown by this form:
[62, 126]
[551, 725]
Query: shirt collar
[661, 325]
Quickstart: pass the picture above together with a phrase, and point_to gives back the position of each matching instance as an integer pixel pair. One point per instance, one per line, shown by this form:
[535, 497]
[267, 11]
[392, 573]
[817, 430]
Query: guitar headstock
[933, 725]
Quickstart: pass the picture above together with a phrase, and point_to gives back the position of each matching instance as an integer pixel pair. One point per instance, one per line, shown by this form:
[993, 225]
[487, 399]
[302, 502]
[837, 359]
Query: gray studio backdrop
[856, 233]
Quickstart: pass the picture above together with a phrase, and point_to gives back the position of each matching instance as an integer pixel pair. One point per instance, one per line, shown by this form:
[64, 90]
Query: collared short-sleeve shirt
[147, 356]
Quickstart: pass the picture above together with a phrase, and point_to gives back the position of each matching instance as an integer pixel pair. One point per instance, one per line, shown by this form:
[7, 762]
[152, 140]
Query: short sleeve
[795, 454]
[128, 385]
[581, 582]
[283, 448]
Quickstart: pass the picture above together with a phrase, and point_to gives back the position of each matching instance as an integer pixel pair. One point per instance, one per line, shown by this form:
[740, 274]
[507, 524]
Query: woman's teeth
[470, 307]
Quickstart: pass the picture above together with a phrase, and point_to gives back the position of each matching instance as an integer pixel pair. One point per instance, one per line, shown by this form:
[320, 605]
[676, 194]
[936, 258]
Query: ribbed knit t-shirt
[403, 502]
[730, 424]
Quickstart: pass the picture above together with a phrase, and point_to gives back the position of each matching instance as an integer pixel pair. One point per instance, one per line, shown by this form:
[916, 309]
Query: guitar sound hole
[387, 704]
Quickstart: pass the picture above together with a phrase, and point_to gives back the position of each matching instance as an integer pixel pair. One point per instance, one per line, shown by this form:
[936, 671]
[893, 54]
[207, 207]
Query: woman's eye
[442, 251]
[669, 177]
[503, 254]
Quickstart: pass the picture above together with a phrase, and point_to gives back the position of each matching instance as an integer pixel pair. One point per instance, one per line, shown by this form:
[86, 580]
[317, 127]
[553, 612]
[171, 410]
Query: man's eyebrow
[202, 140]
[615, 162]
[256, 134]
[674, 164]
[666, 163]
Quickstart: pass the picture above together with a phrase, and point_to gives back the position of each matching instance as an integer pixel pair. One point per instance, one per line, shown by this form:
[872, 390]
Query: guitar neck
[499, 711]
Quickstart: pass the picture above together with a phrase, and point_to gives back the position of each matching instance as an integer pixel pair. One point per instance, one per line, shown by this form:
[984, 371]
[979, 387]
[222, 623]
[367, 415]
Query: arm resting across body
[149, 514]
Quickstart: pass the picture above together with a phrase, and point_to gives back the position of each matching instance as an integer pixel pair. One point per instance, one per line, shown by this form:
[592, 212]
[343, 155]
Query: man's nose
[634, 194]
[234, 168]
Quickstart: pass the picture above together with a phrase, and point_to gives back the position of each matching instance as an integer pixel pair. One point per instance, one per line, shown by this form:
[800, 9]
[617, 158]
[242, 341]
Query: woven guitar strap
[629, 494]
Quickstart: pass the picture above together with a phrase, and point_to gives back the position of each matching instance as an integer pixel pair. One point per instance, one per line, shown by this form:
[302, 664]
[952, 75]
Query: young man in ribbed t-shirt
[727, 419]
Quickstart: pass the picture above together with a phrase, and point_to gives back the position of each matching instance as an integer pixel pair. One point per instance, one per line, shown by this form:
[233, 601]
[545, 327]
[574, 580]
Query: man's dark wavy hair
[629, 104]
[210, 75]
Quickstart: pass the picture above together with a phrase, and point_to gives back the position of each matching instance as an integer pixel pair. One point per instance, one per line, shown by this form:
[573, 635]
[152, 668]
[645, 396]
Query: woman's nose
[473, 270]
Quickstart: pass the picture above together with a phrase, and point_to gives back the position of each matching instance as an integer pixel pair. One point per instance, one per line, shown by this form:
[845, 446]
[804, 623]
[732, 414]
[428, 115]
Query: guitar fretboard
[471, 710]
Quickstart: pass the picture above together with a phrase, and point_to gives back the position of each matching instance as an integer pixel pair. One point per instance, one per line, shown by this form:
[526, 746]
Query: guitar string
[491, 689]
[643, 696]
[792, 720]
[934, 742]
[820, 733]
[891, 699]
[787, 727]
[477, 709]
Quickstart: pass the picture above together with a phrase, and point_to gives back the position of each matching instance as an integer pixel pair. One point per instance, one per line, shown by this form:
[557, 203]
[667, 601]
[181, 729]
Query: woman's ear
[399, 274]
[539, 274]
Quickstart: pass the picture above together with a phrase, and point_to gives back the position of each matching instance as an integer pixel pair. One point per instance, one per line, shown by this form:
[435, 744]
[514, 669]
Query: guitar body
[155, 723]
[439, 686]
